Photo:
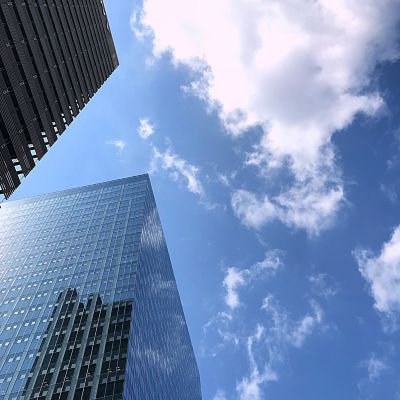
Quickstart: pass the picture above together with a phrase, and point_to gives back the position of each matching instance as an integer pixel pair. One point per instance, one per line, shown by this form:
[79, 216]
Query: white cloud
[118, 144]
[276, 332]
[220, 395]
[301, 70]
[389, 191]
[145, 128]
[311, 206]
[235, 278]
[178, 168]
[183, 172]
[218, 329]
[323, 285]
[140, 33]
[226, 179]
[288, 331]
[250, 388]
[306, 325]
[222, 178]
[252, 211]
[273, 340]
[382, 272]
[376, 367]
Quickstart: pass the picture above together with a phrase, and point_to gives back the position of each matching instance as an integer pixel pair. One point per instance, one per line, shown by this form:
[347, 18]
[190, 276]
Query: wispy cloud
[235, 278]
[323, 285]
[382, 273]
[301, 71]
[178, 169]
[220, 395]
[226, 179]
[273, 339]
[145, 128]
[186, 174]
[270, 335]
[218, 330]
[390, 192]
[250, 387]
[375, 367]
[119, 144]
[291, 332]
[222, 178]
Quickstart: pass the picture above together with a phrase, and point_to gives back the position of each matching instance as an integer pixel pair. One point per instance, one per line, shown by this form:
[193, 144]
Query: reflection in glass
[89, 307]
[83, 351]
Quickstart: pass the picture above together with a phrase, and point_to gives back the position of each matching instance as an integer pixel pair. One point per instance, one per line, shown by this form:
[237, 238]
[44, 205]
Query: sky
[271, 131]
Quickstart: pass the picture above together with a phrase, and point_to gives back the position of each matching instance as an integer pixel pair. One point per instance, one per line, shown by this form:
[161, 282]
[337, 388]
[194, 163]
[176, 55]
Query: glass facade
[89, 307]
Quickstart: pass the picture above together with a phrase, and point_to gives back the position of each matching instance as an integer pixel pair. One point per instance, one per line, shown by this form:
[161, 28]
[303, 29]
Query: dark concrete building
[54, 56]
[89, 307]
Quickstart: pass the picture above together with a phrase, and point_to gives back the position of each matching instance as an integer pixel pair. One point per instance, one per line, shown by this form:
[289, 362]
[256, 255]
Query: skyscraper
[89, 307]
[54, 56]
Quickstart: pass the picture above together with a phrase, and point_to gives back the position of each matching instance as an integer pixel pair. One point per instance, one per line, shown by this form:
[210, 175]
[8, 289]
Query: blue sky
[272, 134]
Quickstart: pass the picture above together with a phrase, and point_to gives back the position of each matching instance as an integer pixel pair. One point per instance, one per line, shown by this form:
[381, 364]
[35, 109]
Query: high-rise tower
[54, 56]
[89, 307]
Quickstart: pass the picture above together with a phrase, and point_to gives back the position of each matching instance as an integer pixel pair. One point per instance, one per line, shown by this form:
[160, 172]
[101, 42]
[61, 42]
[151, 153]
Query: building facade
[89, 307]
[54, 56]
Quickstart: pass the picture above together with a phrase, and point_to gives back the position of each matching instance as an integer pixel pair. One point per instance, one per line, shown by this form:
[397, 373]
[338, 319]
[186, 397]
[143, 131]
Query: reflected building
[54, 56]
[84, 346]
[89, 307]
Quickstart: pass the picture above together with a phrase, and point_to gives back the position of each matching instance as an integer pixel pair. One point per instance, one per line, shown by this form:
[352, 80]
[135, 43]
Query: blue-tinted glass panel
[88, 302]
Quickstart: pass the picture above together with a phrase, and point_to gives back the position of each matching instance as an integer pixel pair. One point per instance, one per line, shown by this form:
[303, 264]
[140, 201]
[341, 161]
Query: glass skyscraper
[89, 307]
